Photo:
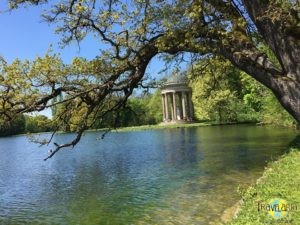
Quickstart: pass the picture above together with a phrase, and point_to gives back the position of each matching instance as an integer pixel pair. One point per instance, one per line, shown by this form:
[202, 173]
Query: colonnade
[177, 105]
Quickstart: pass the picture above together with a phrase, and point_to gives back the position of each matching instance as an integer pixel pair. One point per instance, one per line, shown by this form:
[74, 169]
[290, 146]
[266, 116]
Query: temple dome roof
[176, 78]
[176, 83]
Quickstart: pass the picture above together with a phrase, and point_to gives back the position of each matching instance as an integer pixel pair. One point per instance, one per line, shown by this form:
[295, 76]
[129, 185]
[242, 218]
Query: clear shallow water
[172, 176]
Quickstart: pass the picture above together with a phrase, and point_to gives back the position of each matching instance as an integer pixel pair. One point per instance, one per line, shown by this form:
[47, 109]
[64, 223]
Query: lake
[170, 176]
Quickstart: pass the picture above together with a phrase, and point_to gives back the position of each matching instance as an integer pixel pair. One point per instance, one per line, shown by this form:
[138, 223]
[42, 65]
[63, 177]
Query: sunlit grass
[281, 179]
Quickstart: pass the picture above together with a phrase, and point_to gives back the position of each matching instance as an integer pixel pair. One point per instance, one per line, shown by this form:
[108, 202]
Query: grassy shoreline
[155, 127]
[171, 125]
[281, 179]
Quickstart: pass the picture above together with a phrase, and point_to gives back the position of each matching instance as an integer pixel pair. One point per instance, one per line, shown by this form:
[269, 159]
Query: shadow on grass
[295, 143]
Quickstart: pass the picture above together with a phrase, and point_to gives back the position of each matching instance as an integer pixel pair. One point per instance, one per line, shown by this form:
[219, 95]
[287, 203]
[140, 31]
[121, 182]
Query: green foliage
[222, 93]
[144, 110]
[140, 110]
[131, 35]
[273, 113]
[252, 92]
[17, 126]
[154, 108]
[25, 124]
[218, 92]
[36, 124]
[134, 113]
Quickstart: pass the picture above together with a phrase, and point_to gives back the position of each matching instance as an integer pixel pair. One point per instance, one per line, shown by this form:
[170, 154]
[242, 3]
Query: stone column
[183, 105]
[174, 106]
[188, 113]
[190, 105]
[163, 106]
[166, 107]
[180, 105]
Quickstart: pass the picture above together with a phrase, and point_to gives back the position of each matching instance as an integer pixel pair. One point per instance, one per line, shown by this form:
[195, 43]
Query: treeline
[25, 124]
[141, 110]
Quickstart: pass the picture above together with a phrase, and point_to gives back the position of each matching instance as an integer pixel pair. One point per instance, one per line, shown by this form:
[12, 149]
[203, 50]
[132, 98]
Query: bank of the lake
[173, 125]
[281, 179]
[163, 126]
[142, 127]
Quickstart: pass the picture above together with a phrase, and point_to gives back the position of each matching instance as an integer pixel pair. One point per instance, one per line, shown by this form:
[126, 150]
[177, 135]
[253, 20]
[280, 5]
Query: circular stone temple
[177, 100]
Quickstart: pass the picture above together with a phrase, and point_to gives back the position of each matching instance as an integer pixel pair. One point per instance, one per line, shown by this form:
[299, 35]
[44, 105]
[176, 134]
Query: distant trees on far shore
[140, 110]
[25, 124]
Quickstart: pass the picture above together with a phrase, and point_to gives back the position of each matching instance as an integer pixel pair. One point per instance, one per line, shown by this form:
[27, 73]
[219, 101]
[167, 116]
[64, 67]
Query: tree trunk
[285, 81]
[288, 94]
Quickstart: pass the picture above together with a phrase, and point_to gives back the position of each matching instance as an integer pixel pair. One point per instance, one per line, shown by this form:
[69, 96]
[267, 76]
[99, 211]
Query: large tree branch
[276, 32]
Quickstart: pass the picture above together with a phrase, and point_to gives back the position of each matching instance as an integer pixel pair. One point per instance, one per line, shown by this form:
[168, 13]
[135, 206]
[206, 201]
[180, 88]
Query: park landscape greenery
[244, 57]
[221, 94]
[259, 38]
[280, 179]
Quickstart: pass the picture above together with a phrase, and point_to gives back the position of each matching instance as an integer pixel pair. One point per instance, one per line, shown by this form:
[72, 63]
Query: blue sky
[25, 36]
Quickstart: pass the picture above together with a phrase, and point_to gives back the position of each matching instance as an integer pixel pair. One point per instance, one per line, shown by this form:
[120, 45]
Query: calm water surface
[171, 176]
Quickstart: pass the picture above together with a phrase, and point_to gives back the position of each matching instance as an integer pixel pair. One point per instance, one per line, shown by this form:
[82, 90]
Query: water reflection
[178, 176]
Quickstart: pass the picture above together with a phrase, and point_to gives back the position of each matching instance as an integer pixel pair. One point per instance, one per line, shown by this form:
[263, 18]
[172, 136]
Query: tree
[12, 127]
[218, 92]
[143, 29]
[154, 108]
[36, 124]
[223, 93]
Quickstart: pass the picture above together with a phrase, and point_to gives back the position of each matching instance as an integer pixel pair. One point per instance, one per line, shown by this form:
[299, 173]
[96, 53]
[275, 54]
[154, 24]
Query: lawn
[280, 180]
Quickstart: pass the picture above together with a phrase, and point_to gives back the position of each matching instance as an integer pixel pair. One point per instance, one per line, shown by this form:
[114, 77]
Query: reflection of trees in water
[240, 147]
[180, 147]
